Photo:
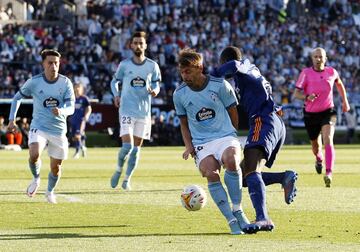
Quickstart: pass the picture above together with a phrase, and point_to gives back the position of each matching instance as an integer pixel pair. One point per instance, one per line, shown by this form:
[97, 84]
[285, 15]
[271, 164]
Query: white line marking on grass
[70, 198]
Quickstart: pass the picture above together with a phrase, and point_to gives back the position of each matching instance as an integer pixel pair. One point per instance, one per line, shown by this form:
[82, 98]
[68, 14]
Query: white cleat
[76, 155]
[33, 187]
[83, 151]
[126, 185]
[51, 197]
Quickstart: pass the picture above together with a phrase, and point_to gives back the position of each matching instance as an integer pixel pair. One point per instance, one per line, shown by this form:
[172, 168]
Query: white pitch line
[70, 198]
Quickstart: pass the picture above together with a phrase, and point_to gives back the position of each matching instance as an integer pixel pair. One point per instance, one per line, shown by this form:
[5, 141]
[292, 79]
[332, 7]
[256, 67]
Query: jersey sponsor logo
[205, 114]
[138, 82]
[51, 103]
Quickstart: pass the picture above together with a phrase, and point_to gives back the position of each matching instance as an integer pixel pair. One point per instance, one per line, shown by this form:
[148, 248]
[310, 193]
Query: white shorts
[57, 145]
[215, 148]
[140, 127]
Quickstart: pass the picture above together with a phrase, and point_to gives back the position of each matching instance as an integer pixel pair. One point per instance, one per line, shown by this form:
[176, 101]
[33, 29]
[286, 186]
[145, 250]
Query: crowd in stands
[274, 36]
[18, 137]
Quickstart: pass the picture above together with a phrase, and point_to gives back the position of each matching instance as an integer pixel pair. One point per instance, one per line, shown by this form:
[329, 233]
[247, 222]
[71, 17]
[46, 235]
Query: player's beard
[137, 53]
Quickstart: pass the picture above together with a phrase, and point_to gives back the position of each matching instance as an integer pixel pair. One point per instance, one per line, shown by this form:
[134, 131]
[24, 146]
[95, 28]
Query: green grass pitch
[91, 216]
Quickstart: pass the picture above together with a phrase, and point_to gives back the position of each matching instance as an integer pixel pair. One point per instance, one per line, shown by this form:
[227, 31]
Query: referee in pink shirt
[315, 87]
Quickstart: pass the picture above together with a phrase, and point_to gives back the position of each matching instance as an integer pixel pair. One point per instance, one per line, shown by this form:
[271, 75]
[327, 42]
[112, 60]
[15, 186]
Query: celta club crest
[60, 91]
[213, 96]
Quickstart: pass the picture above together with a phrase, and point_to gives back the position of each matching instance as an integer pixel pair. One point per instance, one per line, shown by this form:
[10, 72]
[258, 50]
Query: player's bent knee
[210, 174]
[34, 156]
[56, 170]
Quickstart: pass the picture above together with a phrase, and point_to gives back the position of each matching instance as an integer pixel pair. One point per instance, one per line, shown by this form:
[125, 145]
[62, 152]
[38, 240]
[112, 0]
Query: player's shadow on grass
[38, 236]
[110, 191]
[119, 191]
[74, 227]
[97, 177]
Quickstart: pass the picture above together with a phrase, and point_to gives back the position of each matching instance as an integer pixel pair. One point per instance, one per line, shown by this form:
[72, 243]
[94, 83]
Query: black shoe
[318, 167]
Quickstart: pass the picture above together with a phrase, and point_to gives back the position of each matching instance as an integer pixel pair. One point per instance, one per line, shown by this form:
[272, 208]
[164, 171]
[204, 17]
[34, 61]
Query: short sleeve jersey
[206, 109]
[319, 83]
[47, 95]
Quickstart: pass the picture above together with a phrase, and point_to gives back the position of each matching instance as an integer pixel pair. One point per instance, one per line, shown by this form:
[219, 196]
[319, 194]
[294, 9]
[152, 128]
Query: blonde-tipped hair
[190, 58]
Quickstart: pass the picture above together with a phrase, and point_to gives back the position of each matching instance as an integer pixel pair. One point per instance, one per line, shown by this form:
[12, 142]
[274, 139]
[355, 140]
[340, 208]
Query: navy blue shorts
[267, 132]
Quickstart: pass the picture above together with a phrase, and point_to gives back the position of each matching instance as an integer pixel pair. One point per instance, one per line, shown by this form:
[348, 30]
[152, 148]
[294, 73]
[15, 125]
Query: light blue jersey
[132, 81]
[47, 95]
[206, 109]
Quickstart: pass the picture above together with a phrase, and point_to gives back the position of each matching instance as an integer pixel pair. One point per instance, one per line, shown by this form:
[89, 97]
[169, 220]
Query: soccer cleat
[126, 185]
[289, 186]
[51, 197]
[241, 217]
[115, 179]
[318, 166]
[244, 223]
[83, 151]
[33, 187]
[251, 228]
[327, 180]
[235, 227]
[76, 155]
[265, 225]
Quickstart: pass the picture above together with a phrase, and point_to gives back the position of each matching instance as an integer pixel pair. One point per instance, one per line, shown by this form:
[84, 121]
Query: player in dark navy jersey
[79, 119]
[266, 134]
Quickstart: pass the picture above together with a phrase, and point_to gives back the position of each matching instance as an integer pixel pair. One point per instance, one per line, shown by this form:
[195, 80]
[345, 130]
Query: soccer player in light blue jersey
[136, 80]
[209, 120]
[53, 100]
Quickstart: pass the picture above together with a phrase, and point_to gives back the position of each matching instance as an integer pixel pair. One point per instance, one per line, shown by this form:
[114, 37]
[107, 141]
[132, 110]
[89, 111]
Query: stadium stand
[275, 36]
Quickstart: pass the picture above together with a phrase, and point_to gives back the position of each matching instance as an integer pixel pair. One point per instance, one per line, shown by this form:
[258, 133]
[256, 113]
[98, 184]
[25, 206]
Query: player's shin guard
[257, 193]
[233, 182]
[123, 154]
[52, 182]
[329, 158]
[35, 168]
[218, 194]
[133, 161]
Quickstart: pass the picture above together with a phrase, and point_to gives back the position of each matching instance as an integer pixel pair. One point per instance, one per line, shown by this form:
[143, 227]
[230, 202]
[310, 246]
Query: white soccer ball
[193, 197]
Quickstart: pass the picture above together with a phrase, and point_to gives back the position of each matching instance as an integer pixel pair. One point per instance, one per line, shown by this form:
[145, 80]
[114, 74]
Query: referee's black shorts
[314, 121]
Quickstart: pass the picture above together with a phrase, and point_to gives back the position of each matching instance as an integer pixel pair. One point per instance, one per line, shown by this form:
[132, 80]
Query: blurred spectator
[24, 127]
[100, 40]
[14, 137]
[3, 130]
[350, 117]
